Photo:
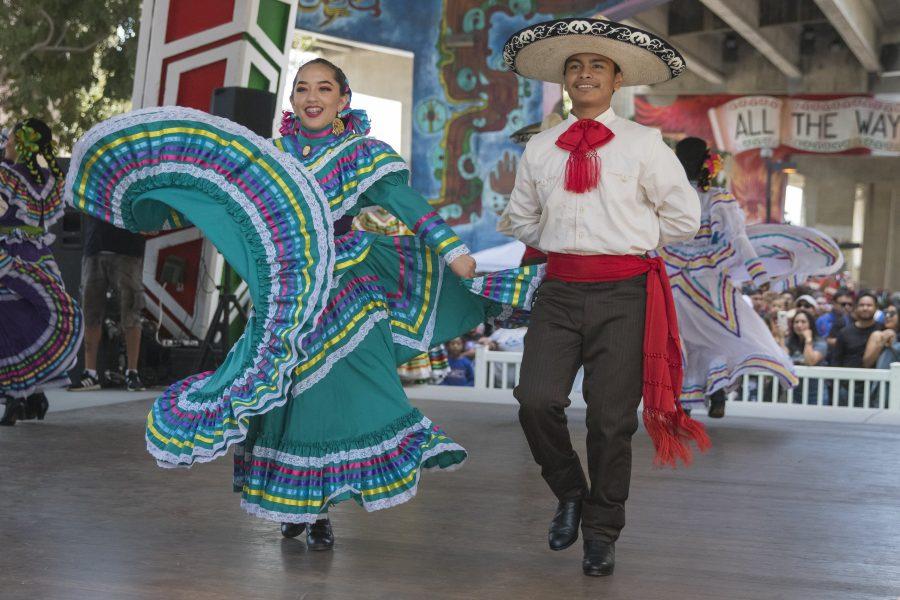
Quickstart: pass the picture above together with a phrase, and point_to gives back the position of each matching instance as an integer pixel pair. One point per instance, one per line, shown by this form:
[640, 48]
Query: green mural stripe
[257, 80]
[279, 68]
[273, 20]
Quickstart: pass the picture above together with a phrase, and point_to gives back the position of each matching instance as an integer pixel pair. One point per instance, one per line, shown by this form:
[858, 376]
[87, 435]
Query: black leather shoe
[292, 530]
[565, 524]
[717, 405]
[599, 558]
[320, 536]
[13, 411]
[36, 406]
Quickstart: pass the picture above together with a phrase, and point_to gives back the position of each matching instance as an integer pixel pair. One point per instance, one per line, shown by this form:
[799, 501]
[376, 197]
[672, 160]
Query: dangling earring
[337, 126]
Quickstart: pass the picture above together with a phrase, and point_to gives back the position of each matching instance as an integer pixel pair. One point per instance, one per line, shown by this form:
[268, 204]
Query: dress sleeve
[728, 220]
[392, 193]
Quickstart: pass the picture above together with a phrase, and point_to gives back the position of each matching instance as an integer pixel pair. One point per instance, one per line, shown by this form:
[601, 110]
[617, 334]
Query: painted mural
[466, 104]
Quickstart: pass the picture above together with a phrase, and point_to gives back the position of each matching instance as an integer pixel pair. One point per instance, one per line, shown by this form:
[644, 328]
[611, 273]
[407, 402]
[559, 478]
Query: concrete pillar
[873, 273]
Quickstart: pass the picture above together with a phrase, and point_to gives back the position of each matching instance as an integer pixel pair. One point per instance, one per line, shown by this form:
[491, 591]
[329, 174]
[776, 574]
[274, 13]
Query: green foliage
[69, 62]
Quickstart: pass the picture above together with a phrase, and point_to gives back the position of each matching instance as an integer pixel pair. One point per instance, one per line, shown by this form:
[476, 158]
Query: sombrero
[540, 51]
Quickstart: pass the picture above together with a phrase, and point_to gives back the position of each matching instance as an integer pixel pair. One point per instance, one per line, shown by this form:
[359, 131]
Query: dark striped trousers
[600, 326]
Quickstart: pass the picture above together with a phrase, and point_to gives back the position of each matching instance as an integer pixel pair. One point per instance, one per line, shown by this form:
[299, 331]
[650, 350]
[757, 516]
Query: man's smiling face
[590, 80]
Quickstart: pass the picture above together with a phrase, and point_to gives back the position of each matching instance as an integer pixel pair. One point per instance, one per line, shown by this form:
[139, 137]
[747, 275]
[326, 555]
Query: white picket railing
[824, 392]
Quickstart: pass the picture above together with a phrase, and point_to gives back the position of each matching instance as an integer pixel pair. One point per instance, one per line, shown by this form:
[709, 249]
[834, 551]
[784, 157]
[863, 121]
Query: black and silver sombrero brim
[540, 51]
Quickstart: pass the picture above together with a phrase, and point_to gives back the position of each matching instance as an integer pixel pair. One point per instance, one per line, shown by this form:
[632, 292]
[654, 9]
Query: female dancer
[311, 388]
[40, 324]
[723, 337]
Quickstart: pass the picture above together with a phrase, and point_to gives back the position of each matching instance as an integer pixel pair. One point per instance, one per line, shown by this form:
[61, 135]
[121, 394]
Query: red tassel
[671, 434]
[582, 171]
[581, 140]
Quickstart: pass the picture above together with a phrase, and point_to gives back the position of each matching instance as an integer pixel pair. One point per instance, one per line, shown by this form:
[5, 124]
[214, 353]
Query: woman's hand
[463, 266]
[807, 335]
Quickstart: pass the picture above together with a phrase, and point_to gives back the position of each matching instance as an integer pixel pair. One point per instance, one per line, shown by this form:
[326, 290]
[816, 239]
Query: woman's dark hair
[693, 152]
[339, 76]
[794, 342]
[33, 138]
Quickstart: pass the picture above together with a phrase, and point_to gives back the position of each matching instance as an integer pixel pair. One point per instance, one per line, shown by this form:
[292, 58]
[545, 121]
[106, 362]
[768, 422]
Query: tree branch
[62, 34]
[46, 42]
[73, 49]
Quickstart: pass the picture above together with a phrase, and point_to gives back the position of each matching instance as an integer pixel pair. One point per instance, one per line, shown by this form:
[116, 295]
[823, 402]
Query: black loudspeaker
[254, 109]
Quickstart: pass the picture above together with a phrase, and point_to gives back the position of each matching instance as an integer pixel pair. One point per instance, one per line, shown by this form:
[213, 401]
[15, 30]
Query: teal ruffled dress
[311, 389]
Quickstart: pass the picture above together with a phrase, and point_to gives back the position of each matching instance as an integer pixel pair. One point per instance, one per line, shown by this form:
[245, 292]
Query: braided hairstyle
[33, 138]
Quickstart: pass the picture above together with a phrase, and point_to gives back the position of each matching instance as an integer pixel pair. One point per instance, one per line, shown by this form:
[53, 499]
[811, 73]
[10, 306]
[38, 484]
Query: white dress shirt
[644, 199]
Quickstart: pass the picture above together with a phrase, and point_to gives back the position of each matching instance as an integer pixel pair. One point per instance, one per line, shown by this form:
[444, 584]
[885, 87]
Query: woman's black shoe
[717, 405]
[292, 530]
[14, 411]
[36, 406]
[320, 536]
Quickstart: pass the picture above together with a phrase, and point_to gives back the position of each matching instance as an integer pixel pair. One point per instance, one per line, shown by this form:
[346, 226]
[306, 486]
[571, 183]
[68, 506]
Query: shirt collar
[606, 117]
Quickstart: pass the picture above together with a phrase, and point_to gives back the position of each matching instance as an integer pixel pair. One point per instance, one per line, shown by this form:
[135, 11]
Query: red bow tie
[583, 167]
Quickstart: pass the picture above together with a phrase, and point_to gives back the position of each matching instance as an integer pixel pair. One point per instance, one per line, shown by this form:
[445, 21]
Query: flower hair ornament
[712, 166]
[33, 138]
[27, 142]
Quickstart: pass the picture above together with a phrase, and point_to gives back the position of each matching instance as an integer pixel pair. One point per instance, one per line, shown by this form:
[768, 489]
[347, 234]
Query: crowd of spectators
[843, 329]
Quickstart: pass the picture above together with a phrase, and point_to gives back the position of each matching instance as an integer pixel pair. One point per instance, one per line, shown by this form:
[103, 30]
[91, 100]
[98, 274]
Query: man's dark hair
[867, 294]
[843, 292]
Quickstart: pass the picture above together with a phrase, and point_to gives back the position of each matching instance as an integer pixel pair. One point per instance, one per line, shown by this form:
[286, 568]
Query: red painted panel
[187, 17]
[195, 87]
[167, 61]
[194, 273]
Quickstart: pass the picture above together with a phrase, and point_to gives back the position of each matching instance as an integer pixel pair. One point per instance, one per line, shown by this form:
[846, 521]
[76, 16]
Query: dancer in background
[723, 337]
[40, 324]
[311, 390]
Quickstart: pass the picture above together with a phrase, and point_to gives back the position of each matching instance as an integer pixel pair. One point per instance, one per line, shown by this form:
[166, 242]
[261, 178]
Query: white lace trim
[364, 185]
[17, 270]
[34, 192]
[17, 236]
[265, 235]
[271, 515]
[456, 253]
[330, 360]
[344, 455]
[322, 223]
[424, 344]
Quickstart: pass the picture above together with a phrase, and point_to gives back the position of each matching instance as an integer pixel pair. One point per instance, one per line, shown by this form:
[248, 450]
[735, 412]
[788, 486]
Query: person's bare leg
[133, 346]
[92, 335]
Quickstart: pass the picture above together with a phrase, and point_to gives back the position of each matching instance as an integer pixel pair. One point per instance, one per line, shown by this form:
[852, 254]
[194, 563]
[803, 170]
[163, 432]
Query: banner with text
[824, 126]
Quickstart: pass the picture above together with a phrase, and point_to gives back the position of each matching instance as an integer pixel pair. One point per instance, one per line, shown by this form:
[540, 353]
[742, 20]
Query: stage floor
[776, 510]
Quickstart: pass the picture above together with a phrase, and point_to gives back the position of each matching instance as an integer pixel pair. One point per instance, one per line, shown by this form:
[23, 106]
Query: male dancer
[596, 193]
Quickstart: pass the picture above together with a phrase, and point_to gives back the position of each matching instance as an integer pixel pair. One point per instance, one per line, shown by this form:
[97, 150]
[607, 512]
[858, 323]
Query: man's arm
[521, 218]
[839, 350]
[668, 188]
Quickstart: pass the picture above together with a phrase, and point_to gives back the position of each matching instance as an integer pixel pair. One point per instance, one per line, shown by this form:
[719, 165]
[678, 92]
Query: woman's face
[801, 323]
[891, 321]
[317, 97]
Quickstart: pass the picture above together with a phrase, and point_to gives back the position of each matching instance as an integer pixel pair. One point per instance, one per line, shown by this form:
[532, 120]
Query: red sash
[668, 425]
